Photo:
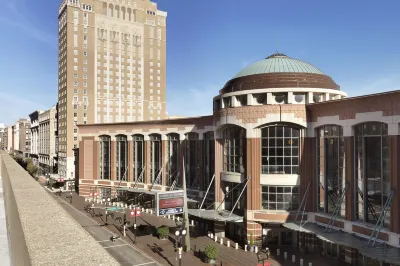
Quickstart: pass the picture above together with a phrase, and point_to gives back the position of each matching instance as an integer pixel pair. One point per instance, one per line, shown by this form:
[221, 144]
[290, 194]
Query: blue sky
[357, 43]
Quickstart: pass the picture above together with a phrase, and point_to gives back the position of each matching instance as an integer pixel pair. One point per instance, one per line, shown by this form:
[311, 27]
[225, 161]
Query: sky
[355, 42]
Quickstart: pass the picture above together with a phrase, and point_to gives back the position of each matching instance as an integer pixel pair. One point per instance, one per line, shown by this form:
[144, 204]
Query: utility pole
[185, 211]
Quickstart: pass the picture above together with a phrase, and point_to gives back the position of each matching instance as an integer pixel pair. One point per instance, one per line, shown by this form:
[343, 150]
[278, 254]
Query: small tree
[211, 251]
[31, 168]
[163, 231]
[251, 240]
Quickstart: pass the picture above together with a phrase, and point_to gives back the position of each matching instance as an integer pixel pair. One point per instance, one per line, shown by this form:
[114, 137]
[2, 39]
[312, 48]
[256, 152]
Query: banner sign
[169, 202]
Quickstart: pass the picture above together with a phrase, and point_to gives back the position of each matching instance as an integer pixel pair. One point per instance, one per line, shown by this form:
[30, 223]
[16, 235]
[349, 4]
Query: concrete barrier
[285, 255]
[228, 243]
[301, 262]
[31, 245]
[245, 248]
[310, 264]
[221, 241]
[293, 258]
[256, 249]
[278, 252]
[216, 238]
[236, 246]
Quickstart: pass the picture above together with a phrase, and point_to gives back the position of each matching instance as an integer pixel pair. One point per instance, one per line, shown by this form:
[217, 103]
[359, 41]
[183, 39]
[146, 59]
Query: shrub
[251, 240]
[163, 231]
[211, 252]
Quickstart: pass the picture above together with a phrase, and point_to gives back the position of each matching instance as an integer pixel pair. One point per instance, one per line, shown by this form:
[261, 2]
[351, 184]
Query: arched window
[372, 171]
[122, 157]
[209, 158]
[155, 159]
[105, 153]
[280, 149]
[173, 158]
[191, 159]
[138, 158]
[234, 149]
[331, 172]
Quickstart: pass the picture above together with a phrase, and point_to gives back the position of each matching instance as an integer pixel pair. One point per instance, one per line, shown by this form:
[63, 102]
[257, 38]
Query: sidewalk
[163, 250]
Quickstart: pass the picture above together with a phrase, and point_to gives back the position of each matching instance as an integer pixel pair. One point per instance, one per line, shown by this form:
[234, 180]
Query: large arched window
[138, 157]
[209, 158]
[122, 157]
[191, 159]
[105, 154]
[280, 149]
[155, 159]
[331, 173]
[372, 171]
[234, 149]
[173, 158]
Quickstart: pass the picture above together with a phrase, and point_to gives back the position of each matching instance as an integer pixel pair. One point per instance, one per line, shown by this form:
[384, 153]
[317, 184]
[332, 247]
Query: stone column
[219, 153]
[147, 147]
[113, 160]
[307, 170]
[253, 190]
[164, 162]
[130, 177]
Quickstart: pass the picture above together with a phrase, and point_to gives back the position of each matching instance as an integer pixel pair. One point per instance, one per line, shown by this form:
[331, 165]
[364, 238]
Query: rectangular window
[280, 198]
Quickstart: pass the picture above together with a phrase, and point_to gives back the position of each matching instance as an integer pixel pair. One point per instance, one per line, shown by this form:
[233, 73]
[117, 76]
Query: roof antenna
[277, 47]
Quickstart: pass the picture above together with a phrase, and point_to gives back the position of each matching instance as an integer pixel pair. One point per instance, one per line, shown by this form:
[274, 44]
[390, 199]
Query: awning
[223, 216]
[139, 190]
[388, 254]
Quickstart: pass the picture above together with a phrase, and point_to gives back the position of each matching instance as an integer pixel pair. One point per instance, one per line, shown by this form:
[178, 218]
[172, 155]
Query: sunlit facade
[284, 145]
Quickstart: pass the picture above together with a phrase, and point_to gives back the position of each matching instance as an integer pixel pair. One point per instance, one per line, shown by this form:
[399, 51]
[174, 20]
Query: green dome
[278, 63]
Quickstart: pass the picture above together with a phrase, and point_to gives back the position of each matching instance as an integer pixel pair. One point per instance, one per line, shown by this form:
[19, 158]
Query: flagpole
[185, 210]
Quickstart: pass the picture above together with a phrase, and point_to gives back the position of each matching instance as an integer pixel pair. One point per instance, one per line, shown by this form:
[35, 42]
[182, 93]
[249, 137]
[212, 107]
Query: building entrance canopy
[386, 253]
[222, 216]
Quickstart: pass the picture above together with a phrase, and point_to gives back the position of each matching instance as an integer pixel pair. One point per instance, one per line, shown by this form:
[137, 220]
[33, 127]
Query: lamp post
[93, 196]
[179, 234]
[135, 212]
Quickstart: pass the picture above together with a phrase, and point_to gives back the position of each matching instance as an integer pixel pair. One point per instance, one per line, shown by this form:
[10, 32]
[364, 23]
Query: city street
[122, 251]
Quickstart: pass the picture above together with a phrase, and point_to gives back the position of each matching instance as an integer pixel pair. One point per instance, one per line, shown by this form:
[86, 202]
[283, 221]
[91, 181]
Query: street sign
[170, 202]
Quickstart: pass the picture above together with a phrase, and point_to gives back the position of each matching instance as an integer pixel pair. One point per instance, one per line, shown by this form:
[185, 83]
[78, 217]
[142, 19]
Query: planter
[210, 261]
[251, 248]
[163, 237]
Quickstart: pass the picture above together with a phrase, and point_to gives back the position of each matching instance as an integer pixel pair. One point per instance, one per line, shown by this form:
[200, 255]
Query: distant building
[47, 129]
[34, 119]
[22, 137]
[2, 127]
[6, 143]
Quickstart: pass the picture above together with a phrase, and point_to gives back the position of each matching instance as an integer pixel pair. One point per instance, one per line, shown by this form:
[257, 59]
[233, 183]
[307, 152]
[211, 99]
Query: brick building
[285, 153]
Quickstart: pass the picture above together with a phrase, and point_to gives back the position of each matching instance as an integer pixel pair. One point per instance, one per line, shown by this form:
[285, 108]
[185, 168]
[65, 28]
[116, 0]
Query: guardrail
[40, 232]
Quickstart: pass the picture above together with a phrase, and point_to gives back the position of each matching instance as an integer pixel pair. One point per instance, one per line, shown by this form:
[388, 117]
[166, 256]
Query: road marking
[117, 246]
[143, 264]
[123, 240]
[103, 241]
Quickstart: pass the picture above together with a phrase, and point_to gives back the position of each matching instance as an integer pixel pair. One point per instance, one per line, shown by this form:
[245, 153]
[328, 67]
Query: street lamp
[135, 212]
[179, 234]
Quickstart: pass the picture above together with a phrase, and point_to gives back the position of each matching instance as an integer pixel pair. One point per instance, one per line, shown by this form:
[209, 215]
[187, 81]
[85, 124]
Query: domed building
[285, 159]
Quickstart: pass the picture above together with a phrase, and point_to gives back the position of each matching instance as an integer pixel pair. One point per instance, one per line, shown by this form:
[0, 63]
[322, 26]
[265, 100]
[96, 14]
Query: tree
[31, 168]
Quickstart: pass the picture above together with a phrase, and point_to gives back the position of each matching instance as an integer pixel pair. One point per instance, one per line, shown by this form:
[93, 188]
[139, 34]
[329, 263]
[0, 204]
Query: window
[84, 92]
[105, 153]
[330, 165]
[173, 162]
[278, 198]
[75, 83]
[234, 149]
[122, 157]
[138, 158]
[75, 75]
[209, 158]
[280, 150]
[155, 159]
[372, 171]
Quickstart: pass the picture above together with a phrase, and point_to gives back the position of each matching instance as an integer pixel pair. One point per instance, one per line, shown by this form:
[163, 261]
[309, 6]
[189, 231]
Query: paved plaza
[149, 248]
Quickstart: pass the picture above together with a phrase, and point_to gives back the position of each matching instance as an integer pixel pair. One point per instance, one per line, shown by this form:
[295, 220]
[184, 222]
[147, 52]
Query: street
[122, 251]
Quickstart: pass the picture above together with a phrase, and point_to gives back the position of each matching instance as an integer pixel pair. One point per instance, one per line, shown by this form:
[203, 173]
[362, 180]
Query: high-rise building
[112, 67]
